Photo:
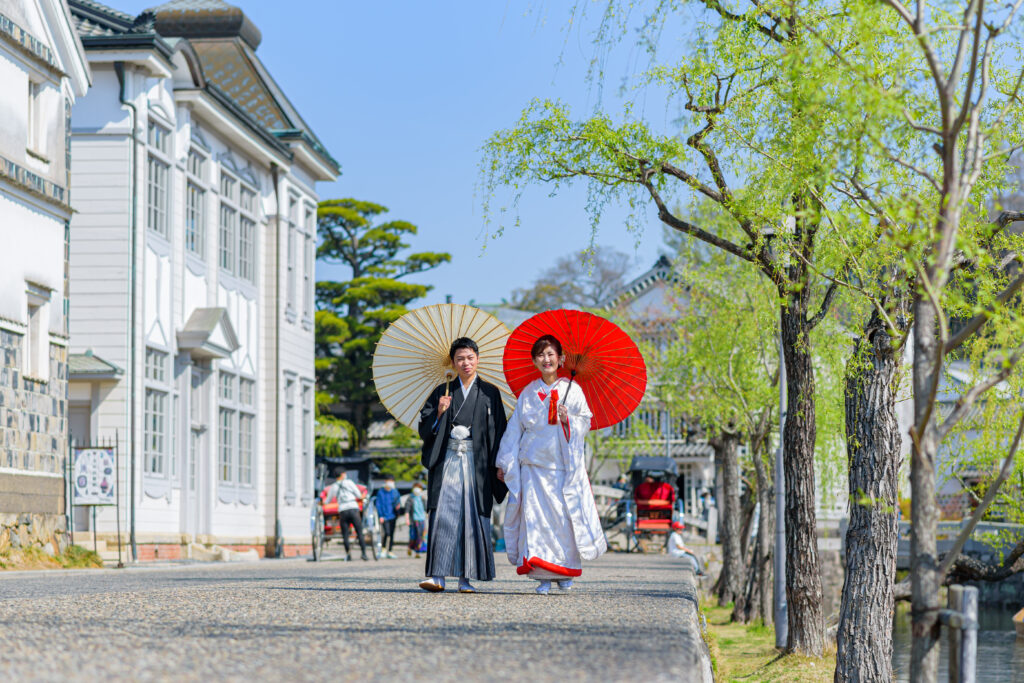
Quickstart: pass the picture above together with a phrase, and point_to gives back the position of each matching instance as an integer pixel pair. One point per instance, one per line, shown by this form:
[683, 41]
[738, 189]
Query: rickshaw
[324, 522]
[649, 518]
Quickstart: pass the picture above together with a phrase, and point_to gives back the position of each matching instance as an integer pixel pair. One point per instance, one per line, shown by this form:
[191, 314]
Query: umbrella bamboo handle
[572, 377]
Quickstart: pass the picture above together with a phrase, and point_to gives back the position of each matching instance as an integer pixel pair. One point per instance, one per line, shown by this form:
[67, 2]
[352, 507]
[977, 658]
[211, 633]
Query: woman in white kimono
[551, 520]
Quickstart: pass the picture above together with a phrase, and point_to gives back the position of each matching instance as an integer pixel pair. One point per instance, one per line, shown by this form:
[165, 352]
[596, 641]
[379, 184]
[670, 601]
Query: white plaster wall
[157, 313]
[33, 251]
[14, 75]
[100, 111]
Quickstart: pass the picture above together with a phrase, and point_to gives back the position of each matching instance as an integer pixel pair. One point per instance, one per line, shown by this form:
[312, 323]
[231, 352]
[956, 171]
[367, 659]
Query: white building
[192, 271]
[43, 71]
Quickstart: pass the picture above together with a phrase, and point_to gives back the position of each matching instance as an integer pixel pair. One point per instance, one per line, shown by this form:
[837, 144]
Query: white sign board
[95, 477]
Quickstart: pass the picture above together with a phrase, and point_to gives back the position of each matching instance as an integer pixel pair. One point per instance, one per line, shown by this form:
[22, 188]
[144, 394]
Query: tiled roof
[205, 19]
[224, 40]
[82, 364]
[192, 6]
[662, 271]
[95, 19]
[226, 65]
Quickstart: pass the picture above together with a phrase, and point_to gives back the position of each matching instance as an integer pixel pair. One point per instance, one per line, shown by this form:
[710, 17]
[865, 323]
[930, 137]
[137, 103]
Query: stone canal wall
[33, 449]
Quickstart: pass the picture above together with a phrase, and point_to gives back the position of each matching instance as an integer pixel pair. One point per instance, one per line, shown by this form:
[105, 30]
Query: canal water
[1000, 653]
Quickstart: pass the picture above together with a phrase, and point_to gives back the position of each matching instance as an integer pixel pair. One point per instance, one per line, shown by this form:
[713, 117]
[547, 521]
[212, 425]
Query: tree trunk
[924, 511]
[803, 567]
[762, 572]
[741, 609]
[864, 638]
[727, 461]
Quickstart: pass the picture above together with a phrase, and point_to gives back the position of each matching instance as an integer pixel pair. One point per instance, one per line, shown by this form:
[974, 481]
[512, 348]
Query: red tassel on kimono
[553, 408]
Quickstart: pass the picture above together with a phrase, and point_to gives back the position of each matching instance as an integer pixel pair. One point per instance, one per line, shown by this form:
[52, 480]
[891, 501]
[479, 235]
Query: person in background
[654, 494]
[707, 501]
[417, 519]
[677, 548]
[622, 483]
[348, 496]
[387, 503]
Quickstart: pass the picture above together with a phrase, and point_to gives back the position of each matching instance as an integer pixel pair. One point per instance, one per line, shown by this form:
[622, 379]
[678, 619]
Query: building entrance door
[193, 491]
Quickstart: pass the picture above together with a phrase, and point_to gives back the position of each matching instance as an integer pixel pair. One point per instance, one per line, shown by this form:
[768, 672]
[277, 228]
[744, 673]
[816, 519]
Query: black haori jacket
[488, 427]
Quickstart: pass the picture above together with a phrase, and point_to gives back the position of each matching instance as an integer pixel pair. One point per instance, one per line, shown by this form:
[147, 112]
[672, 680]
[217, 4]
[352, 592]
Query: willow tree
[754, 117]
[954, 120]
[724, 364]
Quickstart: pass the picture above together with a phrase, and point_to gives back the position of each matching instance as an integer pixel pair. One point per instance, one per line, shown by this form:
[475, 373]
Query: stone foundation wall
[33, 415]
[21, 531]
[34, 442]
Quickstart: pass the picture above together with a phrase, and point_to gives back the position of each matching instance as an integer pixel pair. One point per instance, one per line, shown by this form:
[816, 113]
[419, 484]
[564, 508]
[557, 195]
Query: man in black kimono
[461, 425]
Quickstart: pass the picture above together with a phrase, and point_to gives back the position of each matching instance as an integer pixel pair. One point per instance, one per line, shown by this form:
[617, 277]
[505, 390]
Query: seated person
[677, 548]
[652, 494]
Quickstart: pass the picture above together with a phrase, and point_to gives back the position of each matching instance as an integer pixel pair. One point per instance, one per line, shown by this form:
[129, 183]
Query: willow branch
[990, 495]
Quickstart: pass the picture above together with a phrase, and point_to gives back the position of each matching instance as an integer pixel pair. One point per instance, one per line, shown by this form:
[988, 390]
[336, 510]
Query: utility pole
[781, 612]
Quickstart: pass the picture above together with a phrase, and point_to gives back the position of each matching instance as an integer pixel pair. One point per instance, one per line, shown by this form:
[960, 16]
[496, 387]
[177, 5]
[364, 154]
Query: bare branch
[716, 6]
[975, 323]
[676, 223]
[920, 127]
[966, 402]
[990, 495]
[826, 303]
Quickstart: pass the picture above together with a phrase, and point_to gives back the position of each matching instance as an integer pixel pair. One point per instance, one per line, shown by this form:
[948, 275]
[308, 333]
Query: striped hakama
[459, 537]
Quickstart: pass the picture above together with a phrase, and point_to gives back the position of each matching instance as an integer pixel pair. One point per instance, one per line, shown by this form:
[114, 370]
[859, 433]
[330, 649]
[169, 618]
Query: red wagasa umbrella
[598, 355]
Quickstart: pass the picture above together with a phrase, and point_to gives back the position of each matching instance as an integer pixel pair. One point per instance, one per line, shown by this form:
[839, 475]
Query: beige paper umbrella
[412, 356]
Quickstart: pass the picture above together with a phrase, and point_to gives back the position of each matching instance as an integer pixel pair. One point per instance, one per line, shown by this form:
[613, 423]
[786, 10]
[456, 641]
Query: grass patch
[746, 653]
[75, 557]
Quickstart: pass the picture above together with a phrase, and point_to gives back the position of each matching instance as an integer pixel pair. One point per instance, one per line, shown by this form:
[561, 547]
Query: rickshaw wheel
[318, 533]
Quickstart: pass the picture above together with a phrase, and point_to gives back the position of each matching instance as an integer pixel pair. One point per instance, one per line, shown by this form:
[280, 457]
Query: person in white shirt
[348, 496]
[677, 548]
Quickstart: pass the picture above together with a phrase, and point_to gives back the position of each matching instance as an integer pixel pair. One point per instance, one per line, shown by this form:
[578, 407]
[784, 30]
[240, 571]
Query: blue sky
[403, 94]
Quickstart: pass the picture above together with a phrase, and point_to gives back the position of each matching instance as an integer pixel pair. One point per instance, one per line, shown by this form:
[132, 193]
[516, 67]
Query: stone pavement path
[337, 621]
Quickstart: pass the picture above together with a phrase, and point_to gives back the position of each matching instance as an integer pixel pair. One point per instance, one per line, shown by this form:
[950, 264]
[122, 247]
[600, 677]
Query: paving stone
[299, 620]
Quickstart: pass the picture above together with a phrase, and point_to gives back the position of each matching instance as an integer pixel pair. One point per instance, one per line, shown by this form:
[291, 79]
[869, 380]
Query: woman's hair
[462, 343]
[543, 343]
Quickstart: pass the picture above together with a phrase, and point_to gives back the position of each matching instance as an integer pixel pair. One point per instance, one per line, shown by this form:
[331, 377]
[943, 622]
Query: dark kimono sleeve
[429, 424]
[500, 424]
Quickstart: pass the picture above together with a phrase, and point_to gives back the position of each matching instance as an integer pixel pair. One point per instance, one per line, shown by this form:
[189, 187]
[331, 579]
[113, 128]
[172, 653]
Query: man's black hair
[463, 343]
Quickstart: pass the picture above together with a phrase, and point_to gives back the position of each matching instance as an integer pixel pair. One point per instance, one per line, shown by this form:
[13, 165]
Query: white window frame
[35, 141]
[290, 284]
[289, 439]
[236, 437]
[307, 440]
[154, 438]
[158, 178]
[308, 264]
[236, 219]
[35, 352]
[196, 191]
[160, 403]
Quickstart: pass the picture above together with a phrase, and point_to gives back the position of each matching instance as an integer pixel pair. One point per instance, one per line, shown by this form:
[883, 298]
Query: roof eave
[311, 152]
[147, 50]
[111, 376]
[199, 346]
[213, 107]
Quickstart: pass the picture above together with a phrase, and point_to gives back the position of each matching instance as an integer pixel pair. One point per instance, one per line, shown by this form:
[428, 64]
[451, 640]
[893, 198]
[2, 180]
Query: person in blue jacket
[387, 504]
